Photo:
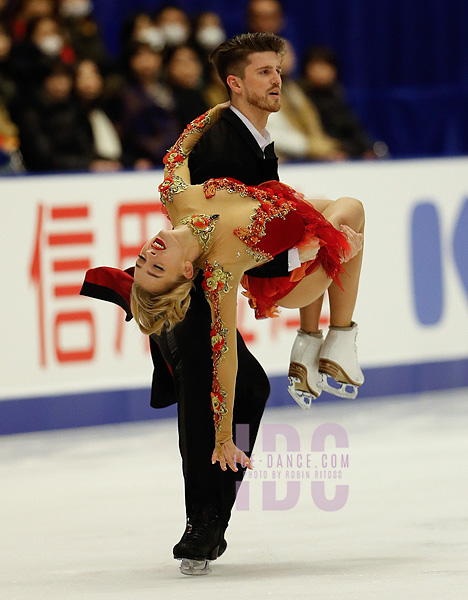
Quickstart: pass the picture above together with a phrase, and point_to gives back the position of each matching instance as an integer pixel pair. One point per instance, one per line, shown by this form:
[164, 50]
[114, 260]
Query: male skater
[237, 146]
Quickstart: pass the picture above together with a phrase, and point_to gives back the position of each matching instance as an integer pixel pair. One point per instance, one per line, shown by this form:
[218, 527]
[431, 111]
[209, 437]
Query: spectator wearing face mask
[147, 124]
[208, 31]
[139, 28]
[83, 32]
[174, 24]
[184, 73]
[45, 44]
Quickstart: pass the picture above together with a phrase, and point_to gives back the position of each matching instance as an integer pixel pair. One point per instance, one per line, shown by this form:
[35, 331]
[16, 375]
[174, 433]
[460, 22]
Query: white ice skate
[304, 376]
[338, 360]
[188, 566]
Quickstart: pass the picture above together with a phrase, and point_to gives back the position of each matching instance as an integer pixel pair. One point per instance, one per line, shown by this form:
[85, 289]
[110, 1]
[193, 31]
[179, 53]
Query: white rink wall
[67, 360]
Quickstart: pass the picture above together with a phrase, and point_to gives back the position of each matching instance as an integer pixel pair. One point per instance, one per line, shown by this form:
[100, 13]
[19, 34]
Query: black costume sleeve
[114, 285]
[162, 392]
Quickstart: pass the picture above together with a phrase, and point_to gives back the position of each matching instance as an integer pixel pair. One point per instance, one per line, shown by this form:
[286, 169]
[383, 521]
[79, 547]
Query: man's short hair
[231, 57]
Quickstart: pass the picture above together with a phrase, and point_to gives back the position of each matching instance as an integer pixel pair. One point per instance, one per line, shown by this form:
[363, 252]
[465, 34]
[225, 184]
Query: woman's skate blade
[302, 397]
[303, 372]
[298, 386]
[347, 387]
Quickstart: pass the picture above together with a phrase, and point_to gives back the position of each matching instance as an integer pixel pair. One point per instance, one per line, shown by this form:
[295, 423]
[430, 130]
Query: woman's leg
[310, 314]
[344, 211]
[304, 371]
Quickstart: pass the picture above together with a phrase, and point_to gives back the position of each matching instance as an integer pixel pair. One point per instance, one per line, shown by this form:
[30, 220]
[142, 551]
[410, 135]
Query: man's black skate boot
[201, 542]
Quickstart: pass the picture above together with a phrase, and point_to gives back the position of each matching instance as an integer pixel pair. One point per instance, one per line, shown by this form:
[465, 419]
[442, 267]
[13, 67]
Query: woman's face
[161, 263]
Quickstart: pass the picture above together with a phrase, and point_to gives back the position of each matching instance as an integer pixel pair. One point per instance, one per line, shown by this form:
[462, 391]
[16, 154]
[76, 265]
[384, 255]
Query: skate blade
[346, 390]
[189, 566]
[304, 399]
[298, 386]
[334, 370]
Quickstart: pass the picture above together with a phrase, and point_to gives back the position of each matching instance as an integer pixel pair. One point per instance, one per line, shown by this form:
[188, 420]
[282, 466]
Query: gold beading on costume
[203, 226]
[270, 207]
[216, 284]
[172, 183]
[169, 187]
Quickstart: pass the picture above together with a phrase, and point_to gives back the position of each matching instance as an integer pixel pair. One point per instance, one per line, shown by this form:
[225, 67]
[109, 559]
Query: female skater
[226, 228]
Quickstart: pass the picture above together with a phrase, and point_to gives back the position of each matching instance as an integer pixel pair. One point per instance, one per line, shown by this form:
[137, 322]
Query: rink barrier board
[64, 354]
[118, 406]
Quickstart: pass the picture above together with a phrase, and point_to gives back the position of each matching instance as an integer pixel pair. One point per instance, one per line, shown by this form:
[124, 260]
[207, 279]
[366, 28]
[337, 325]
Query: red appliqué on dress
[264, 293]
[271, 206]
[172, 183]
[216, 284]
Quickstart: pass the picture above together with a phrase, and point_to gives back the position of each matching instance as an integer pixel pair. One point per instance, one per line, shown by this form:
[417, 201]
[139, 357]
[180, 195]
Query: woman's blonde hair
[155, 312]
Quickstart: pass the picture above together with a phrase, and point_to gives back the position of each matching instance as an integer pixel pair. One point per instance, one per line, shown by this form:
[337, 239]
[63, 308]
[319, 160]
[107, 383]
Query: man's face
[261, 84]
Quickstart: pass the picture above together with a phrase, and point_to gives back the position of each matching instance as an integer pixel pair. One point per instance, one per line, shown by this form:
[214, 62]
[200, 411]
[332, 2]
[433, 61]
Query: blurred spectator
[9, 139]
[147, 123]
[265, 15]
[214, 90]
[83, 31]
[53, 133]
[320, 83]
[98, 108]
[269, 16]
[184, 72]
[29, 10]
[7, 86]
[296, 128]
[139, 27]
[4, 9]
[7, 12]
[208, 31]
[174, 24]
[45, 43]
[10, 156]
[208, 34]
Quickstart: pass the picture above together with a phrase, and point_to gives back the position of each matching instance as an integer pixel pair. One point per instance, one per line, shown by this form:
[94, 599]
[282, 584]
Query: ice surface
[94, 513]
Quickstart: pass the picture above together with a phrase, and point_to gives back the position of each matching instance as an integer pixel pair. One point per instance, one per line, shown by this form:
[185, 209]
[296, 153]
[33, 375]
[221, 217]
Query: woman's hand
[229, 454]
[216, 111]
[223, 105]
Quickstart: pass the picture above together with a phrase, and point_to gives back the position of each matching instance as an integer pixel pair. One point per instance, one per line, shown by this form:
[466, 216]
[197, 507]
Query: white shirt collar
[262, 139]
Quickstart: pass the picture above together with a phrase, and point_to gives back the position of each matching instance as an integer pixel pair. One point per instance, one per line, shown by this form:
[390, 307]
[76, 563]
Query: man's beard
[267, 103]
